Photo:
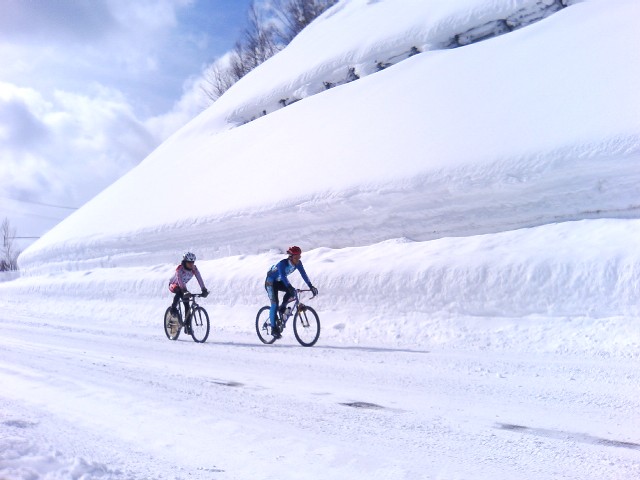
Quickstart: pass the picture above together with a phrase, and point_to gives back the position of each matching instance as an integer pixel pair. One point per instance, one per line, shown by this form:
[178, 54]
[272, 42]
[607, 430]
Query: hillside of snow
[463, 179]
[496, 178]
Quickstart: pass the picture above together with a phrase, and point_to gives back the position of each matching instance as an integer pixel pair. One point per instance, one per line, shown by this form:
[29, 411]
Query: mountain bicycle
[306, 323]
[196, 324]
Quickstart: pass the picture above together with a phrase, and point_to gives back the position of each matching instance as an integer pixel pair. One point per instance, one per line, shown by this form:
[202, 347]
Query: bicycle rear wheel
[263, 326]
[171, 325]
[199, 325]
[306, 326]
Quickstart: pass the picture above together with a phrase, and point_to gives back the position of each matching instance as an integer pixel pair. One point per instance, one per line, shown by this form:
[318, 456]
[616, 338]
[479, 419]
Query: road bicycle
[196, 324]
[306, 323]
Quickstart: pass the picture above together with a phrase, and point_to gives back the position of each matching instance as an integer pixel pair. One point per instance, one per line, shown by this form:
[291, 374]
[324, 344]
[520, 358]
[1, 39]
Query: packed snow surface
[470, 216]
[96, 397]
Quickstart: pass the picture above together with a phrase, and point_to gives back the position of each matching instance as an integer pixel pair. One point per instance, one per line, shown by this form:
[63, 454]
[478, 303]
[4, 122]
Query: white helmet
[189, 257]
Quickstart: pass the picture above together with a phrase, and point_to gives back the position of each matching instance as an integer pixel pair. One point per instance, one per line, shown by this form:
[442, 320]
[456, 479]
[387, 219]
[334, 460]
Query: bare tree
[217, 79]
[9, 259]
[295, 15]
[261, 40]
[258, 44]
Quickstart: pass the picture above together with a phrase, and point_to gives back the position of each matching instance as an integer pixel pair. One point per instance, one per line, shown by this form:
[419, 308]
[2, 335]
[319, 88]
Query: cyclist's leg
[187, 313]
[281, 287]
[272, 293]
[289, 292]
[174, 288]
[179, 296]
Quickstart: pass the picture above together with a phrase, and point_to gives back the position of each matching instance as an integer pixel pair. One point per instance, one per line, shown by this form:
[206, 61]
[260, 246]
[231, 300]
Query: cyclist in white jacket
[178, 283]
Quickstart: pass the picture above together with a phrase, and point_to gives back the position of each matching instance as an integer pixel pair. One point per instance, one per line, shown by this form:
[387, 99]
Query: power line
[23, 214]
[40, 203]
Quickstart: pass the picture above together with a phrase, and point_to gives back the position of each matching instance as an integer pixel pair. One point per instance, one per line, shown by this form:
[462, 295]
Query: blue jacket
[281, 270]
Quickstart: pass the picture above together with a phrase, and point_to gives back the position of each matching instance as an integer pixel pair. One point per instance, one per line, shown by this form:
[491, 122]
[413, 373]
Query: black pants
[179, 294]
[272, 290]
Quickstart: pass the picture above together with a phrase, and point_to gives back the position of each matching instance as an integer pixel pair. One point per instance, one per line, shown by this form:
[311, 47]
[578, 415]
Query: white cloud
[192, 102]
[69, 147]
[34, 20]
[88, 89]
[138, 47]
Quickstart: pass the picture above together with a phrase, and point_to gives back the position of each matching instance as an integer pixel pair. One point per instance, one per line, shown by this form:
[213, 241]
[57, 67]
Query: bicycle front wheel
[306, 326]
[199, 325]
[171, 325]
[263, 326]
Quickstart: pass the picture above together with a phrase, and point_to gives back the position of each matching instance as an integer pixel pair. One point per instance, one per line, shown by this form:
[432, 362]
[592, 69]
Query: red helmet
[294, 250]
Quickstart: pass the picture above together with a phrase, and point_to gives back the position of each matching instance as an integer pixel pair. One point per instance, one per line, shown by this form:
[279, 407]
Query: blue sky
[89, 88]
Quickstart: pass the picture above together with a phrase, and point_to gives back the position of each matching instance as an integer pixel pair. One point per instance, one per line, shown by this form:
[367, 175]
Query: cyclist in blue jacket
[277, 282]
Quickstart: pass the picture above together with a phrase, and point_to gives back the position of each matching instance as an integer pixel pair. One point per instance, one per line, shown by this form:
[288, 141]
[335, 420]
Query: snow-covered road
[97, 402]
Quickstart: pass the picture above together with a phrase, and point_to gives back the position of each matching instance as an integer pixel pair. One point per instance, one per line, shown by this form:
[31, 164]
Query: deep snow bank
[570, 287]
[454, 151]
[533, 127]
[358, 37]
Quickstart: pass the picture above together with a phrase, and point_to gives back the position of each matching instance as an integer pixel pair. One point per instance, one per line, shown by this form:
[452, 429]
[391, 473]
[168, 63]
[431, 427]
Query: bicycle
[306, 323]
[197, 323]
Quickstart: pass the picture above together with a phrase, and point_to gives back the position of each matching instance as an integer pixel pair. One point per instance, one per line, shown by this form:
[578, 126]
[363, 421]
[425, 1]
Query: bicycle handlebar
[190, 295]
[300, 290]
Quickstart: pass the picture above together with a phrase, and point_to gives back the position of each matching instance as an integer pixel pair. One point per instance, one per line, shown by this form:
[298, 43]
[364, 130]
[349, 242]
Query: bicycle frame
[192, 303]
[305, 320]
[196, 324]
[297, 306]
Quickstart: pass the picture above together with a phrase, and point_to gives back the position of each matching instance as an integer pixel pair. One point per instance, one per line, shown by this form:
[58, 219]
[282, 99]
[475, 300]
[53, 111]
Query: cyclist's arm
[304, 274]
[198, 277]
